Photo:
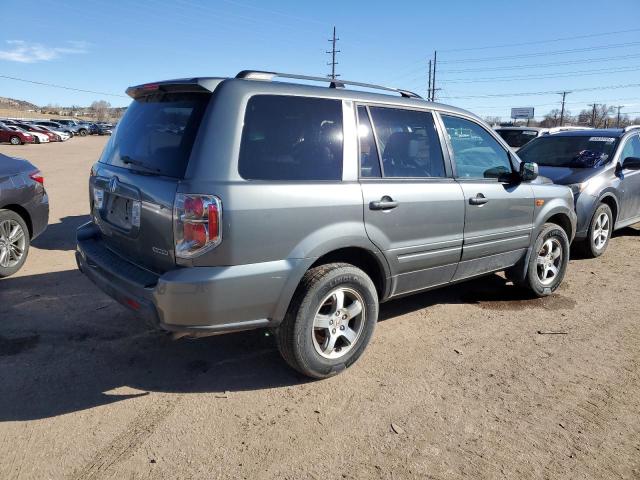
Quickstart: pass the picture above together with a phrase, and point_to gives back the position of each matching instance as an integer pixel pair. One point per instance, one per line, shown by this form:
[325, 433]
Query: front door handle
[385, 203]
[479, 199]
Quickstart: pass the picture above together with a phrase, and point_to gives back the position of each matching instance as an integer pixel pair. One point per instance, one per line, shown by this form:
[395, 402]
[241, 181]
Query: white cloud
[26, 52]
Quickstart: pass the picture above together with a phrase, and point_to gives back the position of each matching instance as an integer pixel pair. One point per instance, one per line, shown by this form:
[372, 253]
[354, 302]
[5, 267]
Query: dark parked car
[24, 211]
[14, 137]
[226, 204]
[602, 168]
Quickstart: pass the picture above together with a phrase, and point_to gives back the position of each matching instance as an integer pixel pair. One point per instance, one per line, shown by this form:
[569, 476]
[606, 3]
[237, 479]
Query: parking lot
[477, 380]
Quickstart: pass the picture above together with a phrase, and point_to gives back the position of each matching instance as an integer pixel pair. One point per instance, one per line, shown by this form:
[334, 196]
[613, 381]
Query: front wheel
[83, 133]
[15, 140]
[548, 261]
[14, 242]
[330, 320]
[599, 233]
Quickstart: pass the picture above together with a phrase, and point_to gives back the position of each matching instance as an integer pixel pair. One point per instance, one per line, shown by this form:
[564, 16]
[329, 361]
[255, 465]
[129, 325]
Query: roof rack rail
[631, 127]
[333, 83]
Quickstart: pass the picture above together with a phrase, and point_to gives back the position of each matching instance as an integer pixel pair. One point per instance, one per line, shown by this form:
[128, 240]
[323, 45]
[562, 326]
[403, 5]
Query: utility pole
[433, 81]
[618, 121]
[564, 95]
[593, 114]
[333, 52]
[429, 83]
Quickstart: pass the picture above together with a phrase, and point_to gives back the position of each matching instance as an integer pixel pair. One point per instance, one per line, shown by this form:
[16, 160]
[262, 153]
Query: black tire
[588, 246]
[8, 215]
[296, 336]
[533, 281]
[15, 140]
[83, 133]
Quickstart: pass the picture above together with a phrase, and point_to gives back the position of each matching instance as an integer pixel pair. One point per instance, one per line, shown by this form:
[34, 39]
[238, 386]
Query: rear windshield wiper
[127, 160]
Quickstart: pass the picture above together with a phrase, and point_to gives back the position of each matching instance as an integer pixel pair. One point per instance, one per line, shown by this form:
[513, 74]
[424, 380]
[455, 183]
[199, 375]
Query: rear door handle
[479, 199]
[385, 203]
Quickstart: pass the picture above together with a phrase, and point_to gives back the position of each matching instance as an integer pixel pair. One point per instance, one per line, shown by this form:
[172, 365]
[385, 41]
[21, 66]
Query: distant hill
[12, 103]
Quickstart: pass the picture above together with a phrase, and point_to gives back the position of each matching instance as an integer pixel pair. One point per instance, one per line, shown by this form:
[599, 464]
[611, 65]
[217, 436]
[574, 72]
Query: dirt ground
[471, 386]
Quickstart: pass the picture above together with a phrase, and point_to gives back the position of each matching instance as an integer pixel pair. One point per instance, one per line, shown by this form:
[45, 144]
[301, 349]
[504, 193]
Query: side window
[291, 138]
[408, 143]
[369, 162]
[631, 148]
[475, 152]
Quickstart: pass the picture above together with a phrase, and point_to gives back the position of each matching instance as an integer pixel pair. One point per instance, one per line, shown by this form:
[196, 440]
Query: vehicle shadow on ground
[62, 235]
[65, 347]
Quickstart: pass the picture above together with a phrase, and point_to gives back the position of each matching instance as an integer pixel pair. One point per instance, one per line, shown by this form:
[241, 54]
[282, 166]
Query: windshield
[569, 151]
[517, 138]
[156, 133]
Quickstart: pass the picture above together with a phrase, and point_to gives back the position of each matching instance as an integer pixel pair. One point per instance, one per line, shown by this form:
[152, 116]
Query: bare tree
[100, 108]
[493, 120]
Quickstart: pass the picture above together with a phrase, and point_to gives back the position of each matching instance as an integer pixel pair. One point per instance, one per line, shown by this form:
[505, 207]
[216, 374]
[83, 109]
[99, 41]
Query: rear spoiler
[203, 85]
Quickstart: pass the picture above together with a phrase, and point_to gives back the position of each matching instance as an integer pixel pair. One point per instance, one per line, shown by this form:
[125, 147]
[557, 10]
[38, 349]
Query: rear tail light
[197, 224]
[37, 177]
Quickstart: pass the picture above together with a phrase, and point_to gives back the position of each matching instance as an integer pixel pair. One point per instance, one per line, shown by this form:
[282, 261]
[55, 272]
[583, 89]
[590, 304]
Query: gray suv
[602, 167]
[226, 204]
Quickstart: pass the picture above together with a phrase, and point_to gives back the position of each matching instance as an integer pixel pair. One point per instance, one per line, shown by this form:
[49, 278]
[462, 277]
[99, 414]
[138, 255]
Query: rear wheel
[330, 321]
[599, 232]
[15, 140]
[14, 242]
[548, 261]
[83, 133]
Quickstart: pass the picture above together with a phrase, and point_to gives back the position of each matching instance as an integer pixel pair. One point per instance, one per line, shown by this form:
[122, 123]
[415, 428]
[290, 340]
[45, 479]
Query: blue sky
[104, 46]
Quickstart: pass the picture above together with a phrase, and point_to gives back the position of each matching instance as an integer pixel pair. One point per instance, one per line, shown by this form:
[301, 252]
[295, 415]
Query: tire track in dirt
[126, 443]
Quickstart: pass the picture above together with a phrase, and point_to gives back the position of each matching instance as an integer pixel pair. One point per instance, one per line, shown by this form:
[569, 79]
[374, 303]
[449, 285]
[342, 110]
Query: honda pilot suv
[227, 204]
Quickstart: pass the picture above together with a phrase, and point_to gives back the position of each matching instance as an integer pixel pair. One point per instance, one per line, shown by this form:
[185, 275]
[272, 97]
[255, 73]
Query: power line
[541, 54]
[593, 71]
[61, 86]
[539, 42]
[543, 65]
[522, 94]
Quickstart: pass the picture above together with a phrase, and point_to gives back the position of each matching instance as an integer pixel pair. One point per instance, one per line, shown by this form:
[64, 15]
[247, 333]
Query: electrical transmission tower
[333, 75]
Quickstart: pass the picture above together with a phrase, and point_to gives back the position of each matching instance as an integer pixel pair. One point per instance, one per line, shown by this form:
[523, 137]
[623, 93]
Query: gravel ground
[457, 383]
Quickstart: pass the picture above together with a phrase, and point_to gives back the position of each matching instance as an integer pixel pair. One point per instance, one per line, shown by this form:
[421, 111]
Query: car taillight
[37, 177]
[197, 225]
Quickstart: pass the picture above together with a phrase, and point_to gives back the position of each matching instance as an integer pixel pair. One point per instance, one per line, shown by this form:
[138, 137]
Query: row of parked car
[227, 204]
[19, 132]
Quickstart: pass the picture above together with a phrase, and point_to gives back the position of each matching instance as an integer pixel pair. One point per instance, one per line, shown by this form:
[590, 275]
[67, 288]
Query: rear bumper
[196, 300]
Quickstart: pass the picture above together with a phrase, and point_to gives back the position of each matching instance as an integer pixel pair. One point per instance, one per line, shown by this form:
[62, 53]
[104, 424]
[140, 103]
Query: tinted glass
[517, 138]
[291, 138]
[476, 153]
[409, 143]
[156, 133]
[369, 162]
[584, 151]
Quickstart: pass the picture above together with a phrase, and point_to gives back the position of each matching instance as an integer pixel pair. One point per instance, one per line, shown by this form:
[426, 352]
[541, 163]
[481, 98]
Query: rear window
[156, 133]
[291, 138]
[517, 138]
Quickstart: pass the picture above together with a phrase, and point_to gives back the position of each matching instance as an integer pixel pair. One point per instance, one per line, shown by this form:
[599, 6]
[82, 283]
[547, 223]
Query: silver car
[226, 204]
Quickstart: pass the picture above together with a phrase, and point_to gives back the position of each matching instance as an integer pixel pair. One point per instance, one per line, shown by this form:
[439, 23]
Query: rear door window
[156, 134]
[408, 143]
[291, 138]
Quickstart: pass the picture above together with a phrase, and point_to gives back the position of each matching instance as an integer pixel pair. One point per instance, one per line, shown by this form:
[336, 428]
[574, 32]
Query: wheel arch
[370, 260]
[611, 201]
[24, 214]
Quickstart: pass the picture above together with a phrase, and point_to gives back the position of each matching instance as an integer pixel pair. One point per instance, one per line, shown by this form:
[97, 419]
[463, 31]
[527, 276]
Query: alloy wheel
[601, 231]
[12, 243]
[549, 261]
[338, 323]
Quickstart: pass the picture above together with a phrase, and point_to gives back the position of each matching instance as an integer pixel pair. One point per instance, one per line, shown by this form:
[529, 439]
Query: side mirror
[528, 171]
[631, 163]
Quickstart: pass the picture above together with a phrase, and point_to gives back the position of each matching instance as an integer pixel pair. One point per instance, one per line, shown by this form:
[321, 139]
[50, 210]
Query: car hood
[568, 176]
[10, 166]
